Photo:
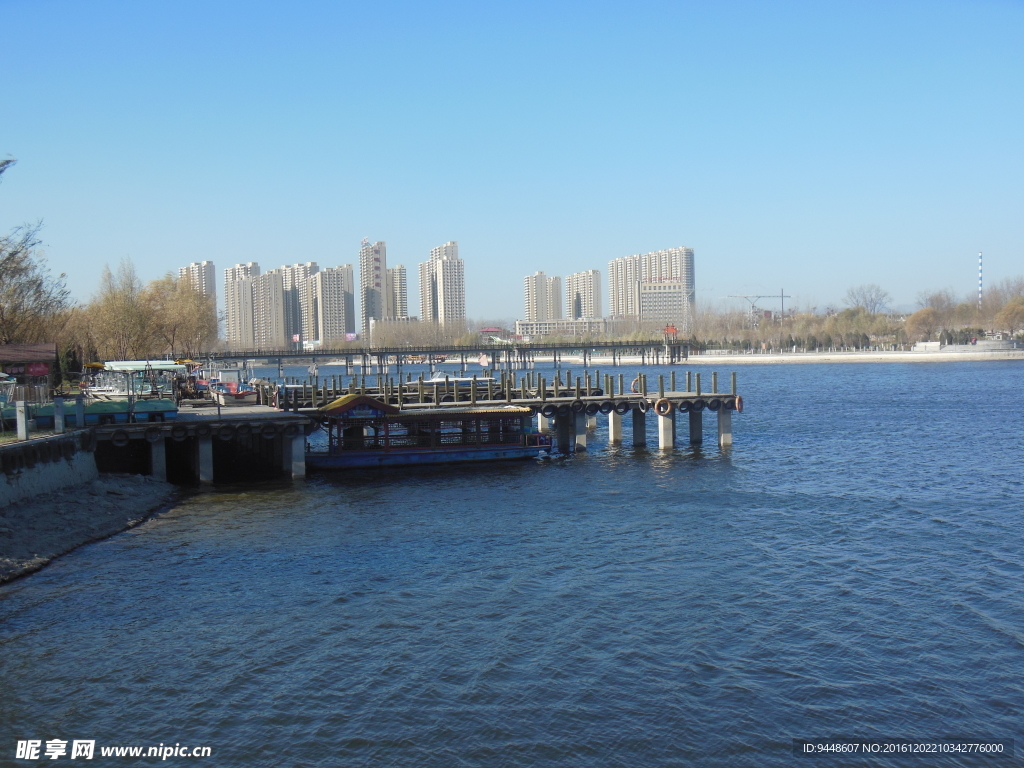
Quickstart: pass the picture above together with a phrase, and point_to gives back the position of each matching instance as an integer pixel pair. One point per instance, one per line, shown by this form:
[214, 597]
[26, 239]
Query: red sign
[38, 369]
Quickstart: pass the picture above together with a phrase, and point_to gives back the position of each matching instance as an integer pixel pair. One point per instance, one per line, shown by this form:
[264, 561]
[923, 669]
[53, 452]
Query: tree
[871, 298]
[120, 317]
[33, 303]
[923, 323]
[184, 320]
[1011, 316]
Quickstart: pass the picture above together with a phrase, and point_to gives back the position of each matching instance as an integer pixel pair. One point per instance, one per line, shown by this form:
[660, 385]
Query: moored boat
[365, 432]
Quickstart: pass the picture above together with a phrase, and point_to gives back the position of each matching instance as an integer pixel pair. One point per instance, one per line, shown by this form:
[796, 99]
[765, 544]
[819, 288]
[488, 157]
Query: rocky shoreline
[35, 531]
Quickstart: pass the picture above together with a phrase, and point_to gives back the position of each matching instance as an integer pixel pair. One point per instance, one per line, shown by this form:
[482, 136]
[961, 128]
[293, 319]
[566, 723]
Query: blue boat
[364, 432]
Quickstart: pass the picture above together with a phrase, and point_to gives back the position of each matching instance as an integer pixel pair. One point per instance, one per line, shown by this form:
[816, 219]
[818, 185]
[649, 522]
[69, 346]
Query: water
[853, 565]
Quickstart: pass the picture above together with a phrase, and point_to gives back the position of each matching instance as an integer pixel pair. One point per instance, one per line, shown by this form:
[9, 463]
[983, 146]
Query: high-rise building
[626, 274]
[443, 285]
[583, 294]
[297, 313]
[239, 333]
[542, 296]
[268, 311]
[666, 301]
[332, 304]
[398, 292]
[373, 296]
[203, 277]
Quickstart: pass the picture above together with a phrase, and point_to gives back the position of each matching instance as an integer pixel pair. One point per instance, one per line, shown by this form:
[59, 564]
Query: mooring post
[58, 415]
[472, 391]
[698, 383]
[689, 382]
[581, 431]
[696, 427]
[667, 431]
[714, 382]
[734, 382]
[204, 447]
[639, 427]
[158, 459]
[724, 428]
[21, 414]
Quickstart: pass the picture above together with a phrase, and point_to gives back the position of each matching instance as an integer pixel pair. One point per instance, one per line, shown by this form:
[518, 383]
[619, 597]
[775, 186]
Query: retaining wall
[46, 464]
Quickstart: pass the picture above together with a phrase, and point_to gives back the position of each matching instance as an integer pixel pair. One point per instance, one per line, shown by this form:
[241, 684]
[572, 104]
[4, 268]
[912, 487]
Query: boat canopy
[358, 407]
[141, 366]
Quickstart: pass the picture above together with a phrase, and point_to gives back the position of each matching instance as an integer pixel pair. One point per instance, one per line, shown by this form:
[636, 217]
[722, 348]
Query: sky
[804, 146]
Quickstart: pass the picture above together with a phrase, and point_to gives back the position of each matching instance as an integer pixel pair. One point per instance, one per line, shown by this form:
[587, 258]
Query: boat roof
[364, 406]
[132, 366]
[347, 403]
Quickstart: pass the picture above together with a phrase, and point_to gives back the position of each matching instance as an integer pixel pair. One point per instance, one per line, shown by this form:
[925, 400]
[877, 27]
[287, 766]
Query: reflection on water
[852, 565]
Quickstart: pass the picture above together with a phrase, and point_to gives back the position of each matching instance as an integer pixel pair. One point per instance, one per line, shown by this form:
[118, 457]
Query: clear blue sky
[805, 145]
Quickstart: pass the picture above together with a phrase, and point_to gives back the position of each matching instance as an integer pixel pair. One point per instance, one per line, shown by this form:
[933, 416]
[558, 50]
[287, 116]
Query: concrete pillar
[58, 415]
[667, 431]
[724, 428]
[696, 427]
[543, 424]
[205, 449]
[614, 427]
[79, 412]
[21, 413]
[298, 452]
[592, 422]
[158, 459]
[581, 431]
[565, 433]
[639, 427]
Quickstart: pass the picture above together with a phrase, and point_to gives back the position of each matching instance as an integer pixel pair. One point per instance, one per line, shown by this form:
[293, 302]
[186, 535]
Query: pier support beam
[696, 427]
[581, 431]
[724, 428]
[158, 459]
[639, 427]
[21, 414]
[58, 415]
[667, 431]
[565, 429]
[543, 424]
[294, 455]
[614, 427]
[592, 422]
[205, 450]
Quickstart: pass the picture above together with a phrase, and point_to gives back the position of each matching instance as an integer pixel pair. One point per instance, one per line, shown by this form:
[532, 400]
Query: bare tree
[33, 303]
[1011, 317]
[120, 317]
[922, 324]
[871, 298]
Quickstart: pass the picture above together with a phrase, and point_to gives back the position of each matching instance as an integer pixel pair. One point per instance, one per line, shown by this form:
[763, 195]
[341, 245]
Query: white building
[297, 302]
[239, 332]
[583, 294]
[332, 305]
[586, 327]
[203, 277]
[443, 285]
[666, 301]
[542, 296]
[626, 274]
[268, 311]
[373, 294]
[398, 292]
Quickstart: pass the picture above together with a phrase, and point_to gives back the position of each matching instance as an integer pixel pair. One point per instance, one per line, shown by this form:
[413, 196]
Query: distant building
[542, 296]
[398, 292]
[583, 294]
[586, 327]
[443, 286]
[373, 295]
[239, 331]
[203, 277]
[665, 301]
[332, 305]
[297, 303]
[381, 331]
[268, 309]
[625, 275]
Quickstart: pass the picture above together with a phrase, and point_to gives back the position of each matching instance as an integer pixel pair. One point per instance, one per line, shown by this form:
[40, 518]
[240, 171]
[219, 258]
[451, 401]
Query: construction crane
[781, 296]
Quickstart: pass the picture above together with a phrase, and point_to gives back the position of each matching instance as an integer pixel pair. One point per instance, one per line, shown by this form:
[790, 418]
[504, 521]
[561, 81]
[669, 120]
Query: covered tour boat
[365, 432]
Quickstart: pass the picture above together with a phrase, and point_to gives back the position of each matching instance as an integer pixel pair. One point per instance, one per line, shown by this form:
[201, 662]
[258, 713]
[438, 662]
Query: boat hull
[362, 459]
[228, 399]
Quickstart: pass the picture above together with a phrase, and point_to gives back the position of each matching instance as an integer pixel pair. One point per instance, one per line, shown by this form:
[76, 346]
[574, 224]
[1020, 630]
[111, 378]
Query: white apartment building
[625, 275]
[332, 304]
[583, 294]
[542, 296]
[443, 285]
[398, 292]
[203, 277]
[239, 332]
[268, 310]
[373, 294]
[666, 301]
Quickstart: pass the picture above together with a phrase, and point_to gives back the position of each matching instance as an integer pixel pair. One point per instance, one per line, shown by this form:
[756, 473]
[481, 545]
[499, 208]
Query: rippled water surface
[853, 565]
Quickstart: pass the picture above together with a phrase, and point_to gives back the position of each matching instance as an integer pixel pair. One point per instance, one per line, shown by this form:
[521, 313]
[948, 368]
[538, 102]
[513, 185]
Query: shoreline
[36, 531]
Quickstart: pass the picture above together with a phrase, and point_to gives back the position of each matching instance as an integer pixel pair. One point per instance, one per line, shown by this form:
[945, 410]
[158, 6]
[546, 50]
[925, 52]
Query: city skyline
[806, 146]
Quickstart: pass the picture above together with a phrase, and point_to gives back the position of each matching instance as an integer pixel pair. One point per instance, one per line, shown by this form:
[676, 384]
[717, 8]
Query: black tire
[152, 435]
[643, 405]
[243, 429]
[268, 431]
[564, 409]
[623, 407]
[714, 404]
[447, 399]
[549, 410]
[179, 432]
[729, 404]
[606, 407]
[226, 432]
[120, 438]
[204, 430]
[684, 406]
[697, 405]
[593, 409]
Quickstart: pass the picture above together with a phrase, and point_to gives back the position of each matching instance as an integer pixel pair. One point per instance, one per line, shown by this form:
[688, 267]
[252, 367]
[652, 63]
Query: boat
[134, 379]
[365, 432]
[231, 393]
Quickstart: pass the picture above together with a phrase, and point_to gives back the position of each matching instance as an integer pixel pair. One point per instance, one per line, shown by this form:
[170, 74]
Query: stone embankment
[36, 530]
